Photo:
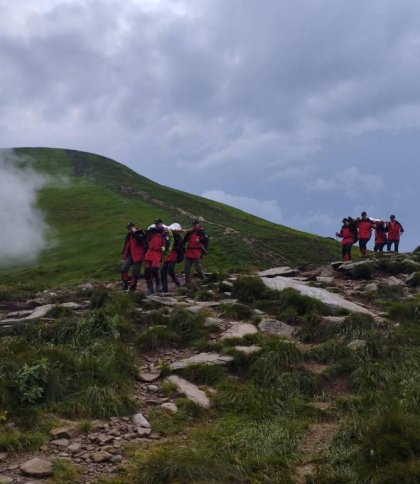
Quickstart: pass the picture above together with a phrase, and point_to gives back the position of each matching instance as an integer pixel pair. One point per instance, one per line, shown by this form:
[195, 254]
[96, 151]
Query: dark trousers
[126, 265]
[363, 245]
[198, 268]
[150, 274]
[379, 247]
[395, 242]
[168, 268]
[346, 251]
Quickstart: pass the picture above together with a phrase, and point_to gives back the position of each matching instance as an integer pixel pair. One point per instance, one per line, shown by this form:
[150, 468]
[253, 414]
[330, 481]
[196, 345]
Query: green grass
[88, 213]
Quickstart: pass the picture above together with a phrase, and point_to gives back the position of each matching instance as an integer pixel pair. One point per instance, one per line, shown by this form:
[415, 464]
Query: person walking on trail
[133, 253]
[157, 245]
[175, 255]
[364, 226]
[347, 240]
[395, 229]
[196, 243]
[380, 236]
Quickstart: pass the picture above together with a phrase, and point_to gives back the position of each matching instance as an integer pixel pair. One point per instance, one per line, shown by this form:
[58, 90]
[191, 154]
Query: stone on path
[170, 406]
[148, 376]
[239, 330]
[164, 300]
[248, 350]
[394, 281]
[37, 468]
[278, 271]
[371, 287]
[334, 319]
[66, 432]
[3, 456]
[101, 456]
[6, 480]
[201, 358]
[219, 322]
[274, 327]
[280, 283]
[191, 391]
[37, 313]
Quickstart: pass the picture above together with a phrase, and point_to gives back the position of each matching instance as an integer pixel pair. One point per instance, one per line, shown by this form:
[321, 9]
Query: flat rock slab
[37, 313]
[66, 432]
[191, 391]
[248, 350]
[201, 358]
[280, 283]
[164, 300]
[239, 330]
[277, 328]
[334, 319]
[37, 468]
[278, 271]
[148, 376]
[101, 456]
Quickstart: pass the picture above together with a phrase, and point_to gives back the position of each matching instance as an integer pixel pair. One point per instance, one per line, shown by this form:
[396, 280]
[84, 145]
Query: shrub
[405, 311]
[186, 325]
[156, 337]
[362, 271]
[65, 472]
[312, 330]
[236, 311]
[248, 289]
[12, 440]
[99, 297]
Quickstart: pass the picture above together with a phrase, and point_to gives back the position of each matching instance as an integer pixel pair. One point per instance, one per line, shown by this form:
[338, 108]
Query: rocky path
[97, 448]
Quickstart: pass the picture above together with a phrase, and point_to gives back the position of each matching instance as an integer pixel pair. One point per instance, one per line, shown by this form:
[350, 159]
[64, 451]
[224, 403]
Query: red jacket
[365, 228]
[195, 240]
[380, 233]
[156, 242]
[394, 230]
[346, 235]
[134, 246]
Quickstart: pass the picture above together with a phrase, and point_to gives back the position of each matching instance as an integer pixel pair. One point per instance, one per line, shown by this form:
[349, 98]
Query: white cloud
[267, 209]
[23, 231]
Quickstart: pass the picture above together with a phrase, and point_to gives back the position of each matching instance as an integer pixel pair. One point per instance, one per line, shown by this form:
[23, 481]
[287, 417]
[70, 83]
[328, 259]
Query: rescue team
[160, 248]
[360, 229]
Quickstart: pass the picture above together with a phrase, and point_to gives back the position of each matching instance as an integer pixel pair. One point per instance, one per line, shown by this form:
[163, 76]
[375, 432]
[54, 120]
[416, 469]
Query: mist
[23, 230]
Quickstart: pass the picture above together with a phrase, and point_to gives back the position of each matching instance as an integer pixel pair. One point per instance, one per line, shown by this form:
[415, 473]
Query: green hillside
[93, 199]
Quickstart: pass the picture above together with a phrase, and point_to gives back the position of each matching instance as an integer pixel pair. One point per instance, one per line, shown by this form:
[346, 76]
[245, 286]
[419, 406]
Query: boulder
[239, 330]
[37, 467]
[329, 298]
[394, 281]
[356, 344]
[101, 456]
[201, 358]
[142, 425]
[248, 350]
[148, 376]
[170, 406]
[60, 443]
[278, 271]
[191, 391]
[274, 327]
[74, 448]
[372, 287]
[414, 279]
[66, 432]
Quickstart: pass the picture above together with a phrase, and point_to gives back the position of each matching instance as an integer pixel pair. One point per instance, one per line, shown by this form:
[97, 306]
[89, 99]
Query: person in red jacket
[196, 242]
[380, 236]
[157, 244]
[364, 226]
[175, 255]
[346, 235]
[133, 255]
[395, 229]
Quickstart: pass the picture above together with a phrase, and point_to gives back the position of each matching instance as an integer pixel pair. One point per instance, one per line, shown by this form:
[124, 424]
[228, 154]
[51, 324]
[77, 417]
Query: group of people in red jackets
[387, 233]
[160, 248]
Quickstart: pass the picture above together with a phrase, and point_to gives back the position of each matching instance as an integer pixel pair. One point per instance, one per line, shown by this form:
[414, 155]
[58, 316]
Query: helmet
[175, 227]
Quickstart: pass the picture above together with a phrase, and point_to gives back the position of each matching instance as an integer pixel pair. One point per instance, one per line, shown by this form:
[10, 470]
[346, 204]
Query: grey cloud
[23, 231]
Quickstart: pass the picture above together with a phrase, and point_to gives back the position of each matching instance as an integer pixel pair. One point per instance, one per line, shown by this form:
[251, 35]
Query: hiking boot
[150, 289]
[124, 285]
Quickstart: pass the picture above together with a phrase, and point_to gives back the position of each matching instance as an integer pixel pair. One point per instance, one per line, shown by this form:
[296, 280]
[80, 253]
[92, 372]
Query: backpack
[353, 228]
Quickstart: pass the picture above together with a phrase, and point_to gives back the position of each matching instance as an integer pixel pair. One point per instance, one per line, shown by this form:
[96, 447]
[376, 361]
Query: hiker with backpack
[347, 240]
[157, 246]
[364, 227]
[380, 236]
[395, 229]
[175, 255]
[196, 242]
[133, 253]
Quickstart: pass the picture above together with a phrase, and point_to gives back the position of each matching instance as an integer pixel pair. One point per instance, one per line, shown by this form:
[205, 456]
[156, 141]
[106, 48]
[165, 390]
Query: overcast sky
[301, 111]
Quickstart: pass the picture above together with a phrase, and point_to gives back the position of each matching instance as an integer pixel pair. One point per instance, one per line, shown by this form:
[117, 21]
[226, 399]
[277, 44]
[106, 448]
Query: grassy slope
[88, 212]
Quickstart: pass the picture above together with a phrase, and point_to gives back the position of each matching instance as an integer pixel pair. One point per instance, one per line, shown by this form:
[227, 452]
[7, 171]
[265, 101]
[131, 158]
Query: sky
[299, 111]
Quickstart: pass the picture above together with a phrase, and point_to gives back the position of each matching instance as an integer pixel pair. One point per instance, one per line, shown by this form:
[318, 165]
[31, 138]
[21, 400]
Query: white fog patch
[23, 230]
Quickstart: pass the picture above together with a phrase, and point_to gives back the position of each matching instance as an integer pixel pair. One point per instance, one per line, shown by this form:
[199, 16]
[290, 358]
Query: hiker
[347, 240]
[196, 242]
[395, 229]
[133, 255]
[364, 226]
[175, 255]
[380, 236]
[157, 245]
